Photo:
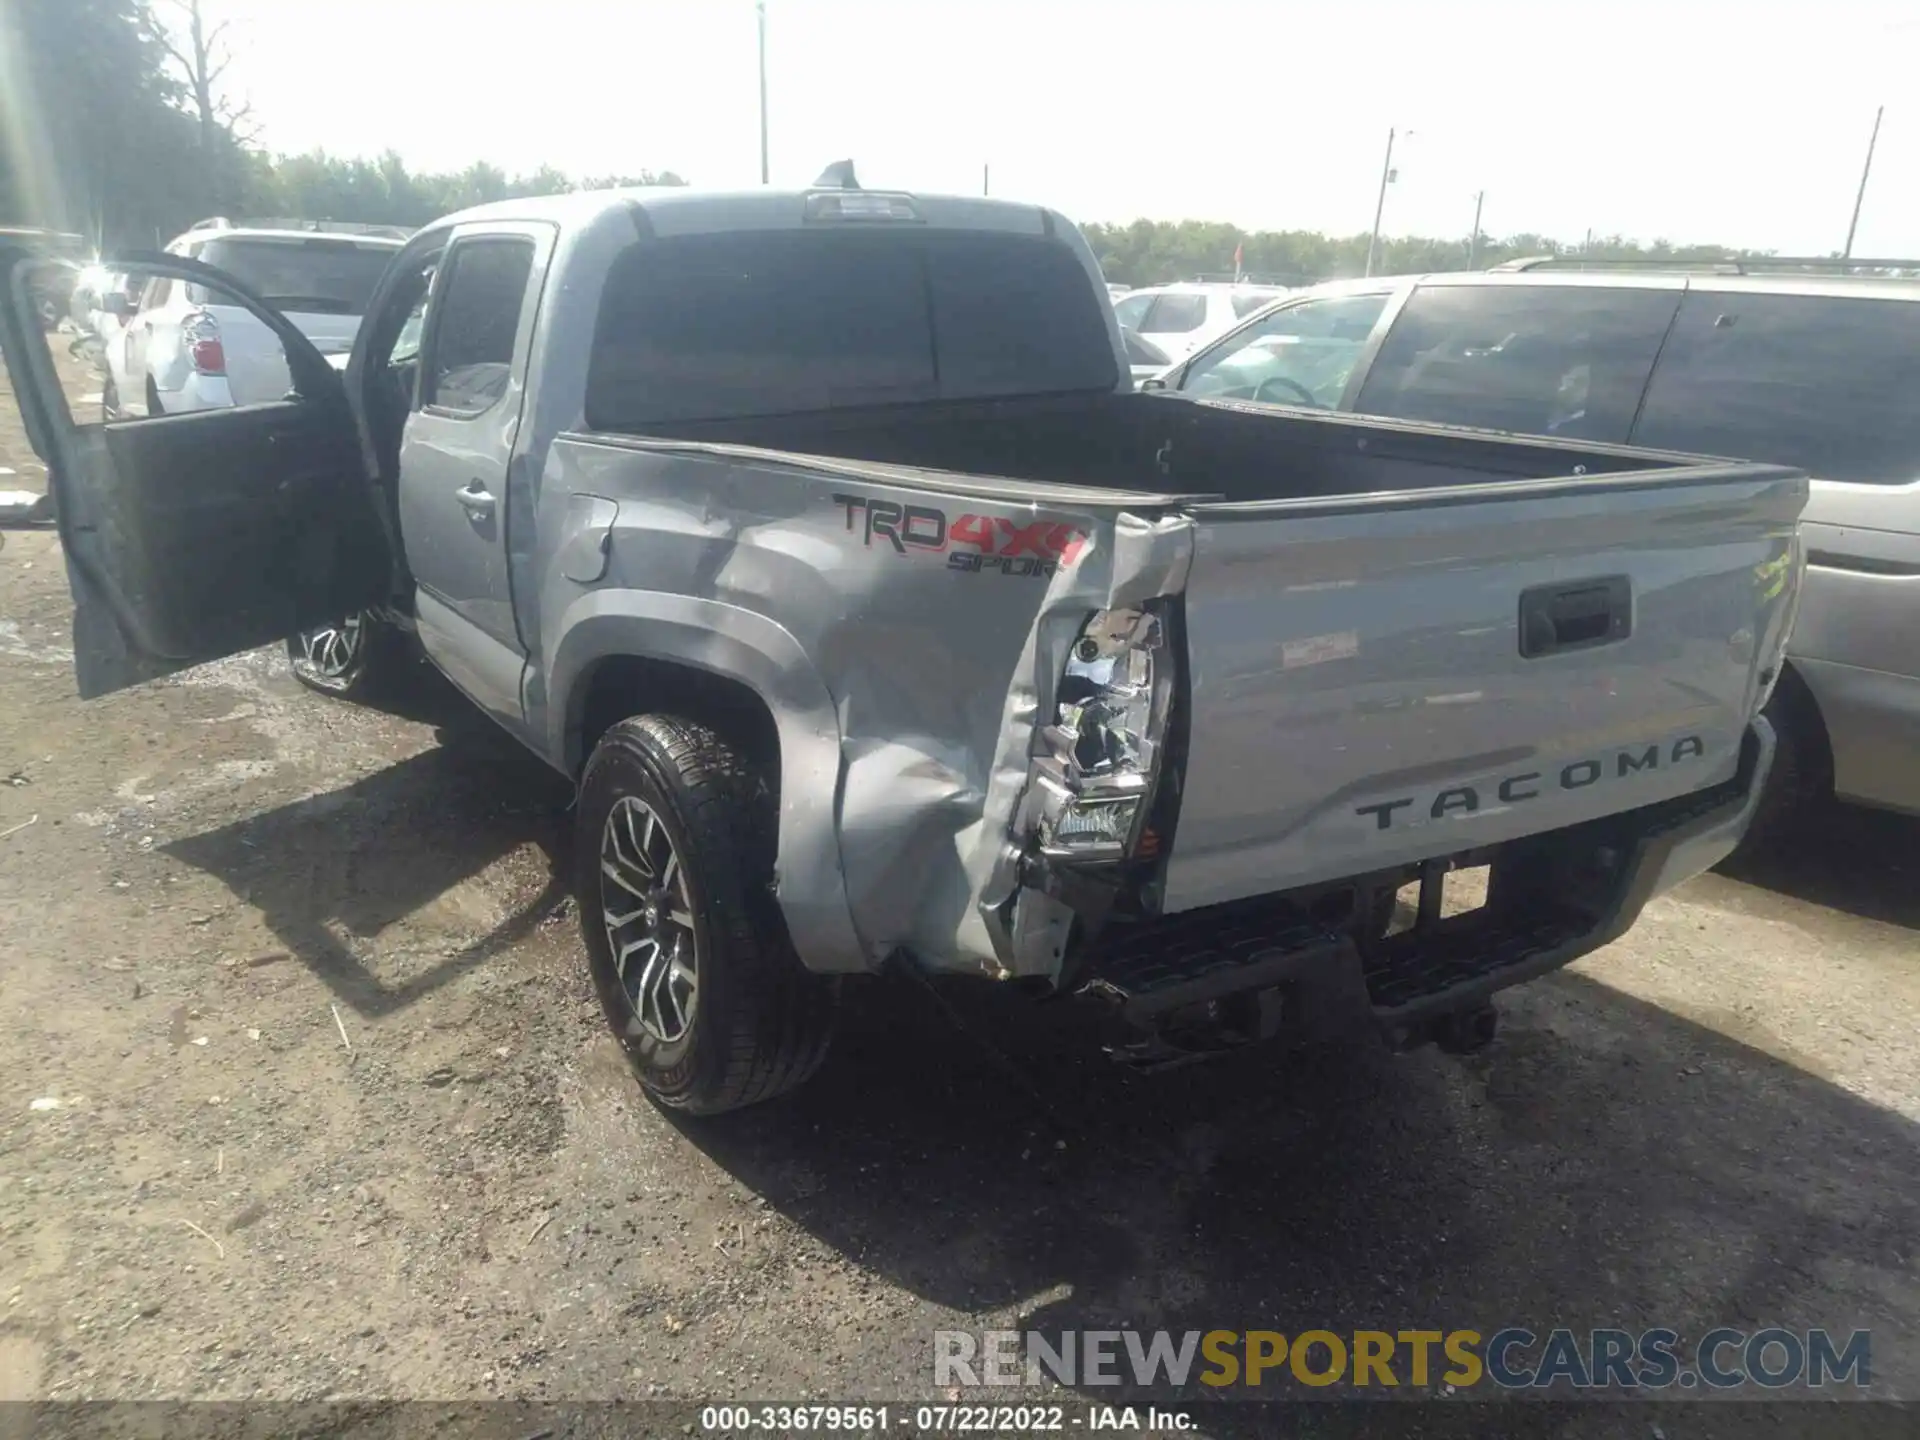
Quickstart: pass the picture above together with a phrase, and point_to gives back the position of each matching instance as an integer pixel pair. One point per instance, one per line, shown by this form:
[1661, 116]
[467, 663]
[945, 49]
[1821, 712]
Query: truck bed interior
[1168, 443]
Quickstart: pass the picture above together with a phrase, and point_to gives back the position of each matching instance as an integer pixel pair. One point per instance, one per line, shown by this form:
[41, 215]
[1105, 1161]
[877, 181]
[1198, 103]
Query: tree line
[127, 135]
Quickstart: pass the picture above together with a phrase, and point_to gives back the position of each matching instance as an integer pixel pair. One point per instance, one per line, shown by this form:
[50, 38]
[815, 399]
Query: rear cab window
[1829, 384]
[752, 323]
[1175, 315]
[1532, 359]
[1131, 310]
[303, 274]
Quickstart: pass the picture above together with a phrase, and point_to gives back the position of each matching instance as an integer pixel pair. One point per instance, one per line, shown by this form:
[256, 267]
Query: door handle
[477, 498]
[1557, 618]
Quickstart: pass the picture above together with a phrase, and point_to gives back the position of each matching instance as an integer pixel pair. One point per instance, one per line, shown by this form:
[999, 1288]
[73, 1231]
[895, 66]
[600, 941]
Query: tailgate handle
[1558, 618]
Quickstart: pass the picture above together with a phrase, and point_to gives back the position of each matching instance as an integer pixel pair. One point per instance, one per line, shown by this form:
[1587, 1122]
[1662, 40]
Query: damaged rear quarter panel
[933, 617]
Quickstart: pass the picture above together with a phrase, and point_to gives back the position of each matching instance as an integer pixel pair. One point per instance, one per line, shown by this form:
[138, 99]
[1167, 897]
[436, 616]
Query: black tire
[353, 672]
[760, 1023]
[1802, 774]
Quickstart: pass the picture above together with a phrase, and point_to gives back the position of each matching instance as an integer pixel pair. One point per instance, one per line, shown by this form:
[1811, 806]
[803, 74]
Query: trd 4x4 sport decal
[971, 542]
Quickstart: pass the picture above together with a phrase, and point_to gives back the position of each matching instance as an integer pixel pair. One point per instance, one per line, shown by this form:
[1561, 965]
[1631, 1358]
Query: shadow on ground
[1846, 857]
[1604, 1164]
[336, 868]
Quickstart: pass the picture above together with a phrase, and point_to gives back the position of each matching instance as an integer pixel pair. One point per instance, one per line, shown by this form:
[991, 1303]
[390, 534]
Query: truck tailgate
[1364, 693]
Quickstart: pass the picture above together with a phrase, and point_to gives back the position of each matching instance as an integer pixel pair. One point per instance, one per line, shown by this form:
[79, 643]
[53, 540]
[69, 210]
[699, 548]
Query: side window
[1302, 355]
[1175, 314]
[156, 293]
[1829, 384]
[1531, 359]
[475, 323]
[1132, 310]
[1245, 305]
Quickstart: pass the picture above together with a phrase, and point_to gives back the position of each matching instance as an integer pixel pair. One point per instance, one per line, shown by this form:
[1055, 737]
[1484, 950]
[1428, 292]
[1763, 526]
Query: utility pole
[1380, 205]
[760, 10]
[1473, 245]
[1865, 171]
[986, 179]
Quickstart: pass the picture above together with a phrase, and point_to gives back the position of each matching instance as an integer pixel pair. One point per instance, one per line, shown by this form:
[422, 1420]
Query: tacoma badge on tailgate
[1530, 784]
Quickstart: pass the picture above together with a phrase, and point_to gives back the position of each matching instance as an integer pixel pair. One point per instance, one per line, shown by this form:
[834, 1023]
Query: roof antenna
[838, 176]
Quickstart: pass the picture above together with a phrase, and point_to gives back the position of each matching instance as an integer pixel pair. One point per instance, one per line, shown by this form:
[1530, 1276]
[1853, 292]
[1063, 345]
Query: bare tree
[203, 59]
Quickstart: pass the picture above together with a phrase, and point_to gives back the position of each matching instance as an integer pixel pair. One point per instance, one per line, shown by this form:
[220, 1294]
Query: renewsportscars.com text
[1513, 1358]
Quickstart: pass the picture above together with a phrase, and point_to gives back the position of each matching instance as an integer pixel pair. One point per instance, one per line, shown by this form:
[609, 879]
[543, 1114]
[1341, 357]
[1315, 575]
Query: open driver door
[194, 527]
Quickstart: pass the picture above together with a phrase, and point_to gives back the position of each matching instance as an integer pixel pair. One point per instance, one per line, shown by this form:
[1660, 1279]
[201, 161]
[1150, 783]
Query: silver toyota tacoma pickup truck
[821, 539]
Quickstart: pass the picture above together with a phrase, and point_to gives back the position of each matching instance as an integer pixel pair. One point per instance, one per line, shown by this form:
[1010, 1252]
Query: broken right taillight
[1093, 778]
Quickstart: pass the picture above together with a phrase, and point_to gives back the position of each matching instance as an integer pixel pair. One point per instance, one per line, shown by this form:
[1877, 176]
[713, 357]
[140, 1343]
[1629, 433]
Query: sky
[1692, 120]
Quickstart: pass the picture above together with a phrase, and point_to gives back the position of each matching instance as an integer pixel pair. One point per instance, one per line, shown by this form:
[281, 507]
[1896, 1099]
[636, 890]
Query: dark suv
[1808, 363]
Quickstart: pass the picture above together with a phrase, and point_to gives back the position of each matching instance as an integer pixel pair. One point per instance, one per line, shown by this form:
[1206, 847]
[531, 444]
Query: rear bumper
[1704, 830]
[197, 392]
[1550, 900]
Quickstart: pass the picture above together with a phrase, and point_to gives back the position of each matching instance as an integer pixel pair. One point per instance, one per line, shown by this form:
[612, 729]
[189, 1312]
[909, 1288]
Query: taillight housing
[200, 333]
[1096, 764]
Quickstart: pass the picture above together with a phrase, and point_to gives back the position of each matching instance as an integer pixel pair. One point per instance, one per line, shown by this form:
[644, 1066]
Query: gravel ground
[335, 1115]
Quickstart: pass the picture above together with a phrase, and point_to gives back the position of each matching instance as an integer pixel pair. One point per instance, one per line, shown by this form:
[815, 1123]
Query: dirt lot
[335, 1114]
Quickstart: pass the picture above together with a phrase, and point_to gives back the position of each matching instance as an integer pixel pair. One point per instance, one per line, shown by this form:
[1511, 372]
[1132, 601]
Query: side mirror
[117, 305]
[1153, 382]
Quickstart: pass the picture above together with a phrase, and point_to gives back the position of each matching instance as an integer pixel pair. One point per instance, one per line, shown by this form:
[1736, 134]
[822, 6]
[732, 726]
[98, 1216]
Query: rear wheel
[684, 938]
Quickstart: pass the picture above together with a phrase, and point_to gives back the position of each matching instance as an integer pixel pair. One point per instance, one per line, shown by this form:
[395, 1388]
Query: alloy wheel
[649, 920]
[331, 651]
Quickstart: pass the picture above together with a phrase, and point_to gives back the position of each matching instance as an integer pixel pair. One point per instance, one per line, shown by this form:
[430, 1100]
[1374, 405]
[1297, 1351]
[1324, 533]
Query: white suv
[1180, 318]
[187, 347]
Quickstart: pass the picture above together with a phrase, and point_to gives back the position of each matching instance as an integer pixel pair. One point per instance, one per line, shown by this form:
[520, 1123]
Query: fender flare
[751, 649]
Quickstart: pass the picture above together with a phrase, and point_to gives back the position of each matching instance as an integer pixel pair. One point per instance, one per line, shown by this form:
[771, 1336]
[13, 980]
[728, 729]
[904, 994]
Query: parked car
[96, 324]
[182, 347]
[1181, 318]
[823, 541]
[1799, 362]
[1144, 358]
